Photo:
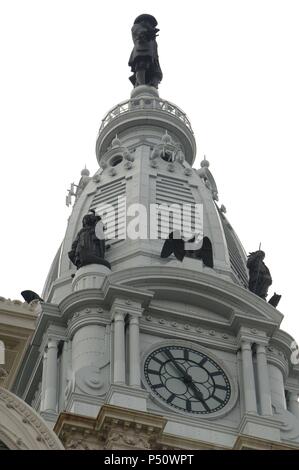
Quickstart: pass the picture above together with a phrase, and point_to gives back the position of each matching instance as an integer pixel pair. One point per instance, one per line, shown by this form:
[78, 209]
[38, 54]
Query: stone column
[277, 386]
[42, 404]
[119, 348]
[293, 404]
[263, 384]
[87, 345]
[50, 403]
[134, 351]
[248, 378]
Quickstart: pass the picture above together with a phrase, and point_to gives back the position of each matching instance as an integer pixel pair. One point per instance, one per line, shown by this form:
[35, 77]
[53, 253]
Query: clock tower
[145, 351]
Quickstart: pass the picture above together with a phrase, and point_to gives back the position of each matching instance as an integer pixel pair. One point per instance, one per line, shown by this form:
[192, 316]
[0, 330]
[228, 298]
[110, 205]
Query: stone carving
[171, 167]
[290, 427]
[144, 59]
[259, 275]
[208, 178]
[128, 165]
[122, 439]
[76, 193]
[89, 245]
[92, 380]
[170, 151]
[24, 414]
[76, 444]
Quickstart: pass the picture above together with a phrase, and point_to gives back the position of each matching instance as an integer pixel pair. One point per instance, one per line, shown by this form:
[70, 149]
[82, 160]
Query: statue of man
[259, 275]
[144, 60]
[88, 248]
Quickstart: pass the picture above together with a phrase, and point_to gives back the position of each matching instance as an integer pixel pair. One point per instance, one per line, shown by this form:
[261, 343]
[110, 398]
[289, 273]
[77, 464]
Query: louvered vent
[234, 248]
[174, 191]
[111, 198]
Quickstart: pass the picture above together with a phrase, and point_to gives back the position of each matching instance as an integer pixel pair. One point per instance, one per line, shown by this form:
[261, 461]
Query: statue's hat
[148, 18]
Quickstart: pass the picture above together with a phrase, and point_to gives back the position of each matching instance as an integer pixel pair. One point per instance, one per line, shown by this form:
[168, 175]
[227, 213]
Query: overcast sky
[232, 66]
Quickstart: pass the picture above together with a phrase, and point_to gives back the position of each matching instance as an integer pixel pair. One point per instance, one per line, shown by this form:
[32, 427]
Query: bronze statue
[87, 247]
[275, 299]
[259, 275]
[144, 59]
[30, 295]
[177, 245]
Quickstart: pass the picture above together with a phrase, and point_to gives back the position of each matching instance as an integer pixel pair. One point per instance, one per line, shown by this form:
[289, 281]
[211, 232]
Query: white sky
[232, 66]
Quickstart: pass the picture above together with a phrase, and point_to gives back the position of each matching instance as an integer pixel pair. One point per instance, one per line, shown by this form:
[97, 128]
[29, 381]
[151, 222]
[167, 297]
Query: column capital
[119, 315]
[245, 343]
[126, 307]
[134, 319]
[261, 348]
[252, 336]
[52, 343]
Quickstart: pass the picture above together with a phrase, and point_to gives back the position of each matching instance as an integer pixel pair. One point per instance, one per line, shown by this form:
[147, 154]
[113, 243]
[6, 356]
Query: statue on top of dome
[259, 275]
[89, 244]
[144, 59]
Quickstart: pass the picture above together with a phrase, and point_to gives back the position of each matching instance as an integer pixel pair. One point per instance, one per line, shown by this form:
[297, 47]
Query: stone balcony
[145, 103]
[146, 108]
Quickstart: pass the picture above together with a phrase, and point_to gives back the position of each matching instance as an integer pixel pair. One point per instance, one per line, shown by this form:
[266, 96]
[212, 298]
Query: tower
[145, 351]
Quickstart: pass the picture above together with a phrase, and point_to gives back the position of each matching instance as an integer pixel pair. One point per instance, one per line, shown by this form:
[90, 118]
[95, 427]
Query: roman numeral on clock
[188, 405]
[215, 373]
[156, 386]
[158, 361]
[217, 399]
[152, 371]
[220, 387]
[171, 398]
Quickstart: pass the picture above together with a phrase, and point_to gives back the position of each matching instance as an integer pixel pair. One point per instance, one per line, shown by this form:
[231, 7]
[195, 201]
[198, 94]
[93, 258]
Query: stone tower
[156, 353]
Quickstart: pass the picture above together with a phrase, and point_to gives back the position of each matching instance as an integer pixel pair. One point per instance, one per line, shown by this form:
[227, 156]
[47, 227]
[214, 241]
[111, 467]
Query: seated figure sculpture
[88, 247]
[259, 275]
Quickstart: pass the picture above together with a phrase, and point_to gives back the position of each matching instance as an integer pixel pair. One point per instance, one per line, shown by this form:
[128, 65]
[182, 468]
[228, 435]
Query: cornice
[17, 306]
[270, 421]
[212, 337]
[185, 285]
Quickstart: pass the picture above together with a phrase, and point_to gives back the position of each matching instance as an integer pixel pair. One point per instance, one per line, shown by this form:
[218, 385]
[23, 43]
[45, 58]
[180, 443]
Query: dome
[85, 172]
[204, 163]
[150, 182]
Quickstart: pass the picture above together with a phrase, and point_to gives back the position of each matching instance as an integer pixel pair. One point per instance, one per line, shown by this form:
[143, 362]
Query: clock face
[187, 379]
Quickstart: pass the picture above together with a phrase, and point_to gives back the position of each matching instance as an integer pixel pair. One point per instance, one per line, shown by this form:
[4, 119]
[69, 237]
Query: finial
[166, 139]
[85, 172]
[144, 59]
[204, 163]
[116, 142]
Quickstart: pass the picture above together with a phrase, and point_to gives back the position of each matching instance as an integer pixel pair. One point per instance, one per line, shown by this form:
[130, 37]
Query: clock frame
[188, 379]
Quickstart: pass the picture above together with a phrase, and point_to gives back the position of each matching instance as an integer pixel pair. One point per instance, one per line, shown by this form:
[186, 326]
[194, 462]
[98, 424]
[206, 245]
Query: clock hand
[186, 377]
[177, 365]
[197, 393]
